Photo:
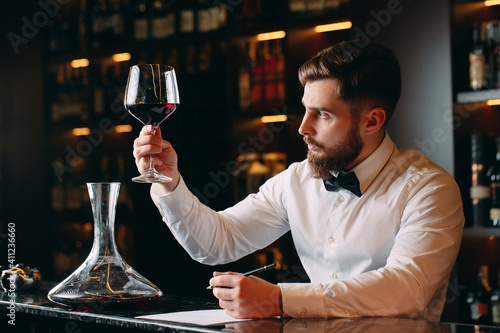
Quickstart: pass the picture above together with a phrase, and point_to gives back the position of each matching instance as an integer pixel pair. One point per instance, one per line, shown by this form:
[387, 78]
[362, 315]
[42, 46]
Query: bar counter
[35, 313]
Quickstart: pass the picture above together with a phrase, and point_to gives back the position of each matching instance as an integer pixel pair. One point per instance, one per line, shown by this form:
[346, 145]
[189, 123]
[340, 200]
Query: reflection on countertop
[36, 310]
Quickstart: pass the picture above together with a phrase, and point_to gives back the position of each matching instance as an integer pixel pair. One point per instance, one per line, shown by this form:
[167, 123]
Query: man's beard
[337, 158]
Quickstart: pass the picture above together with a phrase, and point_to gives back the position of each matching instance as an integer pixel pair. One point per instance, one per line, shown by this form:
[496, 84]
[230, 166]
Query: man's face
[330, 132]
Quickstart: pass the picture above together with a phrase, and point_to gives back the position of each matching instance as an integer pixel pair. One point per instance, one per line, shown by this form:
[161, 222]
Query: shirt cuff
[175, 205]
[302, 300]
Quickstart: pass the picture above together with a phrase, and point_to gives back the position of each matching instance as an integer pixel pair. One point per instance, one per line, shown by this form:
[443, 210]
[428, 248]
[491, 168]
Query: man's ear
[373, 120]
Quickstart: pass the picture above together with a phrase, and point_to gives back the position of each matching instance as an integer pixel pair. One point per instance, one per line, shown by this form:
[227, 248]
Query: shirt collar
[370, 167]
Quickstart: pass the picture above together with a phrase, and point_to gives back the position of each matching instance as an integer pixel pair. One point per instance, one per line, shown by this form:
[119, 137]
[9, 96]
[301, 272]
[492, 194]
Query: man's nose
[306, 127]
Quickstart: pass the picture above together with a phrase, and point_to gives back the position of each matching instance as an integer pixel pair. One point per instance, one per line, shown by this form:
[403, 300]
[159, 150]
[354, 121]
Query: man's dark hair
[367, 77]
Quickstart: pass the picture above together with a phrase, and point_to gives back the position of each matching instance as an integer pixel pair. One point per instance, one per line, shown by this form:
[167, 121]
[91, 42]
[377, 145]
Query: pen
[255, 271]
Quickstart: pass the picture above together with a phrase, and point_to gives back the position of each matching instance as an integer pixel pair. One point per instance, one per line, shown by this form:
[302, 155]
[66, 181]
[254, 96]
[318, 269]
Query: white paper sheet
[199, 317]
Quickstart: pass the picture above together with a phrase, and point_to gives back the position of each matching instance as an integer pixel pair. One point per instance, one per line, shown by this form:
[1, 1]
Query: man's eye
[322, 114]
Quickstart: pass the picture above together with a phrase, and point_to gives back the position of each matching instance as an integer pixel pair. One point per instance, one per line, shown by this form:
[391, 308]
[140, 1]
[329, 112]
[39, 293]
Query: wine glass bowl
[151, 96]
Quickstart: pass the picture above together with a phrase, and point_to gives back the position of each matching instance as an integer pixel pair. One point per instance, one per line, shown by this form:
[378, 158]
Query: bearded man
[377, 229]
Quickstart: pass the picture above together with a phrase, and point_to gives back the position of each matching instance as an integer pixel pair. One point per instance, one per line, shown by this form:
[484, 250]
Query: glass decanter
[104, 278]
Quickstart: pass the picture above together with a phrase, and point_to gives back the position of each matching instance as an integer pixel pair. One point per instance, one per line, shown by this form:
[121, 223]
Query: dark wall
[23, 136]
[419, 34]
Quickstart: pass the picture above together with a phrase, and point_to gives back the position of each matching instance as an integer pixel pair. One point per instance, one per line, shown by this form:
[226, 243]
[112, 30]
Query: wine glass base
[152, 177]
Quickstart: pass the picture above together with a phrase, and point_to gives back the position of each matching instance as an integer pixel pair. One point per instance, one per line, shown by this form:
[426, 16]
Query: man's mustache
[310, 141]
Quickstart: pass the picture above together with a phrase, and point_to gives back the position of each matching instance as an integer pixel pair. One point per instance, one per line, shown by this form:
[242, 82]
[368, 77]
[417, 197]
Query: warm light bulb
[77, 63]
[118, 57]
[123, 128]
[271, 35]
[81, 131]
[333, 26]
[493, 102]
[492, 2]
[274, 119]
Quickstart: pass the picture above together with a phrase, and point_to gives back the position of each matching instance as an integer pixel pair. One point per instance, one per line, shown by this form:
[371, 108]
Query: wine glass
[151, 96]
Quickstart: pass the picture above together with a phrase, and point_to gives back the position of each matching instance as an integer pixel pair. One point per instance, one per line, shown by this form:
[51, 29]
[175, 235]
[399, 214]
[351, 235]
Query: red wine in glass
[152, 113]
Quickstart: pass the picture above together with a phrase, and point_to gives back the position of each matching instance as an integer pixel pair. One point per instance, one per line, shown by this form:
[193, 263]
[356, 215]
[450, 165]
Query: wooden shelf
[478, 96]
[481, 232]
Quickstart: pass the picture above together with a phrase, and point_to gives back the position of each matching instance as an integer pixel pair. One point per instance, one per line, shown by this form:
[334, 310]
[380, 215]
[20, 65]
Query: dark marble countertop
[37, 303]
[35, 306]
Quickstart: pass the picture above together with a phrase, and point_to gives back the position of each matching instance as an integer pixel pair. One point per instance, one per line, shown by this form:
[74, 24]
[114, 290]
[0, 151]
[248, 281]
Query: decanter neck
[103, 198]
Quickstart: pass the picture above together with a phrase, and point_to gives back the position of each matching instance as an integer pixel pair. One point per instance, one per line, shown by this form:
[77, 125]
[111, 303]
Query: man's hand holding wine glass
[164, 158]
[151, 96]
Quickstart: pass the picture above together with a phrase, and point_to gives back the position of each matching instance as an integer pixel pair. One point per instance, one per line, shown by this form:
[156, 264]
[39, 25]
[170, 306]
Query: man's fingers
[147, 150]
[225, 273]
[148, 130]
[225, 281]
[149, 145]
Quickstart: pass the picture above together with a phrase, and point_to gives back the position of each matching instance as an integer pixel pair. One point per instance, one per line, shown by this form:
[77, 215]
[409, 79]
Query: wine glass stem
[151, 156]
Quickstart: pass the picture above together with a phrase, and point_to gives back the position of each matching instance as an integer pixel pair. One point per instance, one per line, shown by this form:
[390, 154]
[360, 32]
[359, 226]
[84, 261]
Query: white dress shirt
[387, 253]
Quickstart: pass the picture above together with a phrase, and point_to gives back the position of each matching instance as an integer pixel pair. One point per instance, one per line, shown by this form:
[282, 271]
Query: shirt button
[331, 239]
[335, 275]
[340, 198]
[302, 312]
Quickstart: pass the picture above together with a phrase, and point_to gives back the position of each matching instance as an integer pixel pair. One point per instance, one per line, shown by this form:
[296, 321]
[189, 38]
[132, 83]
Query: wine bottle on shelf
[98, 22]
[218, 14]
[270, 74]
[123, 197]
[57, 94]
[315, 6]
[189, 70]
[67, 28]
[104, 168]
[83, 93]
[491, 55]
[495, 302]
[53, 41]
[118, 10]
[64, 96]
[75, 108]
[247, 11]
[477, 69]
[107, 24]
[82, 26]
[187, 16]
[57, 189]
[332, 4]
[74, 190]
[298, 7]
[496, 57]
[244, 79]
[258, 78]
[204, 58]
[480, 186]
[495, 188]
[203, 16]
[163, 20]
[478, 298]
[141, 20]
[280, 73]
[99, 88]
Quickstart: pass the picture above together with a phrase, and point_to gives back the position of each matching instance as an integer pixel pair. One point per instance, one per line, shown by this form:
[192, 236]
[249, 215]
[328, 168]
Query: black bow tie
[349, 181]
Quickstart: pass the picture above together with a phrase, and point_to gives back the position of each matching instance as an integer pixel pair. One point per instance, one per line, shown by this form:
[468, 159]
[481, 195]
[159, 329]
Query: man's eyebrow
[317, 108]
